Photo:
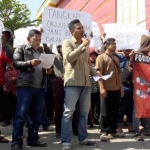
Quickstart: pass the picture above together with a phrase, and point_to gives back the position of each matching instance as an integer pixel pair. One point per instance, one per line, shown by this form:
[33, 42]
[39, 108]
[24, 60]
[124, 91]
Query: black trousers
[9, 105]
[94, 113]
[112, 101]
[1, 99]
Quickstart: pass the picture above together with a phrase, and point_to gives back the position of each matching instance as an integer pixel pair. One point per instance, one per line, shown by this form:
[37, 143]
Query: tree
[16, 15]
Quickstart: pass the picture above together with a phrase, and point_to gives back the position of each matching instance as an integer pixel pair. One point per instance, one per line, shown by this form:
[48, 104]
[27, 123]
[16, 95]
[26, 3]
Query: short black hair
[58, 48]
[107, 42]
[72, 24]
[33, 32]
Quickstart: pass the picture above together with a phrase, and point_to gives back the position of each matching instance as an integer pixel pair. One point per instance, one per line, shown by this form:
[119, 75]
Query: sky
[33, 6]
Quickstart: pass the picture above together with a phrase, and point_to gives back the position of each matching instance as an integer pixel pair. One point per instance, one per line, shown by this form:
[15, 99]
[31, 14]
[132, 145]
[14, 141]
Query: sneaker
[119, 134]
[16, 147]
[66, 147]
[110, 136]
[104, 138]
[38, 144]
[49, 129]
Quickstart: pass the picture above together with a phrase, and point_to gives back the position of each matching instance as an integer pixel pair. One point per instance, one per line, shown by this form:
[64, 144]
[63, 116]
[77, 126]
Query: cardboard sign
[95, 41]
[127, 36]
[55, 24]
[141, 75]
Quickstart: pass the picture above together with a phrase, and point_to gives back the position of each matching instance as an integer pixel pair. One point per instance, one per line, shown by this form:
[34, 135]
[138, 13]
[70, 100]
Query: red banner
[141, 76]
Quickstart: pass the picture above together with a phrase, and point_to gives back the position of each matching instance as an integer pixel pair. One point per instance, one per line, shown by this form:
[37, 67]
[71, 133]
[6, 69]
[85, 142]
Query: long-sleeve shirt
[76, 63]
[4, 58]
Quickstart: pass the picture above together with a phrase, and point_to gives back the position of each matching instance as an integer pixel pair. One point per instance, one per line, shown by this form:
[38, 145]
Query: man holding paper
[30, 90]
[77, 85]
[111, 89]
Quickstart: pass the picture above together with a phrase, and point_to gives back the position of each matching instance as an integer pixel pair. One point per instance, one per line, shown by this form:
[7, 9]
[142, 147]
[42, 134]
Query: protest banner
[141, 76]
[128, 36]
[21, 35]
[55, 24]
[95, 41]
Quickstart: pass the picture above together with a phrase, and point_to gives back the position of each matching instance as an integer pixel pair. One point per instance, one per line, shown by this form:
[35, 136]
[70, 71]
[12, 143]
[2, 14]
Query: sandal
[146, 134]
[138, 137]
[3, 140]
[89, 143]
[6, 124]
[66, 147]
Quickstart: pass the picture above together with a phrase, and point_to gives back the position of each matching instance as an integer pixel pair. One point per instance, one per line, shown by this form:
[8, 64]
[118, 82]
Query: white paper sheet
[96, 78]
[47, 60]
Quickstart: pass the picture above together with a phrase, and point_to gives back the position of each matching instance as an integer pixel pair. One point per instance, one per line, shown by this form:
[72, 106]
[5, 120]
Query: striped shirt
[75, 63]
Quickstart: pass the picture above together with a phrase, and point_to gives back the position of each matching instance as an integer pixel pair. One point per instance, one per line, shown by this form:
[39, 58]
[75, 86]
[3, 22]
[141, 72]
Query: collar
[29, 47]
[74, 40]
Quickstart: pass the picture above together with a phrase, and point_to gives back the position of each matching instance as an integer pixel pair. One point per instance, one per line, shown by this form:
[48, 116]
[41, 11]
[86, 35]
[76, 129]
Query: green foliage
[16, 15]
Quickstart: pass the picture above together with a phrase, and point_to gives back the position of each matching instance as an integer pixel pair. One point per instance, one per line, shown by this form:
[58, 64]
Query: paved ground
[127, 143]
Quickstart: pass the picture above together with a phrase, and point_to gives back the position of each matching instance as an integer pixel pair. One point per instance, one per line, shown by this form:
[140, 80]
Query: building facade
[107, 11]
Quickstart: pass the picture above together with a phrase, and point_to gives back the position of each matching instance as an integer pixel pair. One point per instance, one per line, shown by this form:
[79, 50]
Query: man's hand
[86, 42]
[13, 79]
[35, 62]
[131, 55]
[122, 92]
[103, 92]
[49, 71]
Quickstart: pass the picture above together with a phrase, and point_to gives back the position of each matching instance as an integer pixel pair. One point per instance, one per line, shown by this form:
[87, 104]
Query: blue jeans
[44, 119]
[145, 122]
[72, 95]
[29, 101]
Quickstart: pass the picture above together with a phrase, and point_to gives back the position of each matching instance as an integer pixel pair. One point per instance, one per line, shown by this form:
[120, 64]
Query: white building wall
[131, 11]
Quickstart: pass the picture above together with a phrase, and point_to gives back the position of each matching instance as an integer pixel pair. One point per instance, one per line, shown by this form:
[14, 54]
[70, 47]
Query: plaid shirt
[10, 86]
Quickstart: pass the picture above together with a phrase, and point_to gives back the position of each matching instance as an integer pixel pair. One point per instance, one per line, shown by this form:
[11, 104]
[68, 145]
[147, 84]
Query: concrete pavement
[127, 143]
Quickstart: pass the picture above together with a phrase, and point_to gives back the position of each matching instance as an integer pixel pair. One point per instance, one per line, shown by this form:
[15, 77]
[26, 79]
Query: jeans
[136, 124]
[112, 108]
[29, 101]
[44, 119]
[145, 122]
[126, 107]
[72, 95]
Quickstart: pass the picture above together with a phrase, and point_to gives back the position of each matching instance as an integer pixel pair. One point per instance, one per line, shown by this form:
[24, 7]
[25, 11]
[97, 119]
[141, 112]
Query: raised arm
[71, 54]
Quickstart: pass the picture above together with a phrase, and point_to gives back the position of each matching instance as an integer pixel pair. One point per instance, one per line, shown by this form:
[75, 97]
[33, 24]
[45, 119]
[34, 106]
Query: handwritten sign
[21, 35]
[128, 36]
[55, 24]
[95, 41]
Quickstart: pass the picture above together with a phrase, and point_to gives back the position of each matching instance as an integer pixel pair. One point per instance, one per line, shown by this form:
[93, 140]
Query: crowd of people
[67, 93]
